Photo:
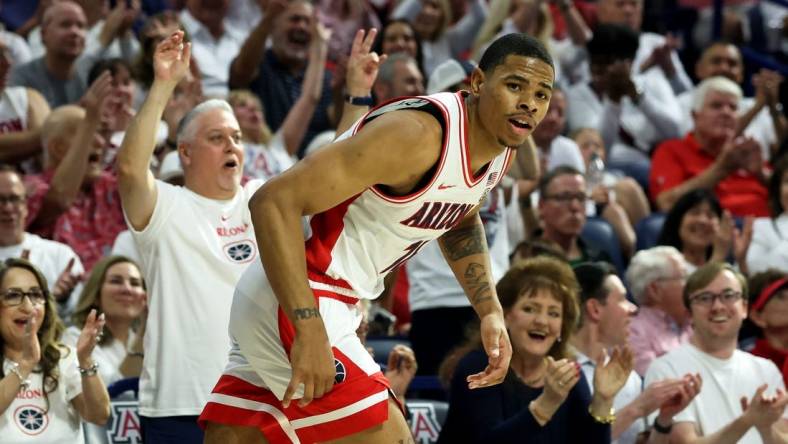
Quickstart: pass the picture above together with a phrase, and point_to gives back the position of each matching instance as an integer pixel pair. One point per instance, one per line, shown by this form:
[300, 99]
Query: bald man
[60, 74]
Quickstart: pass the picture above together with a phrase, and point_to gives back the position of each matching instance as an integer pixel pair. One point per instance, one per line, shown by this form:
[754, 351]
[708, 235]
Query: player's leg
[394, 431]
[216, 433]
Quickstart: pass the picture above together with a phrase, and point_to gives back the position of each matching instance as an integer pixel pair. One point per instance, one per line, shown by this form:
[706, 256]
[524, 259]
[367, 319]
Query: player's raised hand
[499, 352]
[171, 59]
[363, 63]
[312, 363]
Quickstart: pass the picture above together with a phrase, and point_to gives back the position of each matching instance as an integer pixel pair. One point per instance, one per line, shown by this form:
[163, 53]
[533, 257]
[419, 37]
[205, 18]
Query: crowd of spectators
[126, 176]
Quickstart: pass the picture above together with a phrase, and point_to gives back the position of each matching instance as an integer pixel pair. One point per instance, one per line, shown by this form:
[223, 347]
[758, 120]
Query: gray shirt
[57, 92]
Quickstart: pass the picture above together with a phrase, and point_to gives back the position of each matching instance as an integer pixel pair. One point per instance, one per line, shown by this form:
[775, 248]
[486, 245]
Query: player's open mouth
[520, 126]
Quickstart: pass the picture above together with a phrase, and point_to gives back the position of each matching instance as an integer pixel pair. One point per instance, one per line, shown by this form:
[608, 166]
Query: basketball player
[408, 172]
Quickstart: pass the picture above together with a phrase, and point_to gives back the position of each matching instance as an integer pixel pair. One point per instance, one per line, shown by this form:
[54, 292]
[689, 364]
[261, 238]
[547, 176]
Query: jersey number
[410, 251]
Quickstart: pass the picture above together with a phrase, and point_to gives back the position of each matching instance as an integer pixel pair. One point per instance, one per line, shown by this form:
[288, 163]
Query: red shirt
[89, 226]
[678, 160]
[765, 350]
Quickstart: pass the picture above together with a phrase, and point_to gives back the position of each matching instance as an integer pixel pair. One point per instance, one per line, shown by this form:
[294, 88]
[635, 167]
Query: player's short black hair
[513, 44]
[615, 41]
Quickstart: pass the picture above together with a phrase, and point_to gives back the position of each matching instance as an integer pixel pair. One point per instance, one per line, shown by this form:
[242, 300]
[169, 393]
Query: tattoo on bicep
[305, 313]
[464, 242]
[478, 283]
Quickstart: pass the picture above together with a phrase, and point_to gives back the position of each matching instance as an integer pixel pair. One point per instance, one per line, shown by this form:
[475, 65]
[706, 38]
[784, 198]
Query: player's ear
[477, 80]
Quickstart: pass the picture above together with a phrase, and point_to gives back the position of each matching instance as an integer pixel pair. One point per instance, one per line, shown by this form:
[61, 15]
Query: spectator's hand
[401, 369]
[89, 337]
[171, 59]
[661, 56]
[600, 195]
[499, 352]
[738, 152]
[611, 376]
[723, 237]
[65, 283]
[31, 348]
[95, 97]
[767, 87]
[363, 64]
[619, 82]
[560, 376]
[130, 14]
[741, 243]
[688, 390]
[657, 394]
[763, 411]
[271, 9]
[313, 365]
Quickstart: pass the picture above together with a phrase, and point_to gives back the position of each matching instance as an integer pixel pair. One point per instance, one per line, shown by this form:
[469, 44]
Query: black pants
[171, 430]
[435, 332]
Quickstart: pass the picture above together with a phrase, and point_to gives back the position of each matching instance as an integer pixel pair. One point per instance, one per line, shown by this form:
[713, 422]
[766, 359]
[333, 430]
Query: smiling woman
[543, 391]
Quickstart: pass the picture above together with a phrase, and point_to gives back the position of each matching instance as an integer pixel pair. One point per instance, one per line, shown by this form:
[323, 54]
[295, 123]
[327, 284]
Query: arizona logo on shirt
[241, 251]
[31, 419]
[125, 423]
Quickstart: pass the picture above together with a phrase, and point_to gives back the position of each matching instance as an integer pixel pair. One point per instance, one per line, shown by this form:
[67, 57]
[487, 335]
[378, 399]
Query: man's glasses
[13, 297]
[567, 198]
[13, 199]
[707, 298]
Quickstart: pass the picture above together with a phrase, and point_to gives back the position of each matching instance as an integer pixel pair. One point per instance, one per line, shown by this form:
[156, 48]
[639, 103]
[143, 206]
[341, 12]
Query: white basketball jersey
[355, 244]
[13, 110]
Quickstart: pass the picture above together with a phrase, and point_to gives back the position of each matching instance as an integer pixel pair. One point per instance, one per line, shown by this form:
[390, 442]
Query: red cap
[768, 292]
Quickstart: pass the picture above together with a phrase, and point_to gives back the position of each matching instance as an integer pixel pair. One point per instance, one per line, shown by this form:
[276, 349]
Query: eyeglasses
[13, 199]
[707, 298]
[13, 297]
[566, 198]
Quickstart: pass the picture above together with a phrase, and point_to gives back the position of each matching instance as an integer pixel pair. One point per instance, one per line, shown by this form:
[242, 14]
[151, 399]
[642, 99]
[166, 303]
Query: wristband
[24, 383]
[90, 371]
[659, 428]
[359, 101]
[609, 419]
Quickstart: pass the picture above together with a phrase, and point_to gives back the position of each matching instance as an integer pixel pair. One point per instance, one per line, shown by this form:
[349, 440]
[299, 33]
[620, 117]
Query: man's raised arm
[136, 183]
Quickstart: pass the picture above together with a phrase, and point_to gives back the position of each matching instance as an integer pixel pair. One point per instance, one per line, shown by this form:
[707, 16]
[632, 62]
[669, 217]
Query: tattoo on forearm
[464, 242]
[477, 281]
[305, 313]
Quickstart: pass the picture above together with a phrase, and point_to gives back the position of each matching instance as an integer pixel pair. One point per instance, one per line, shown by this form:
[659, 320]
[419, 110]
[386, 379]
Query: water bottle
[595, 172]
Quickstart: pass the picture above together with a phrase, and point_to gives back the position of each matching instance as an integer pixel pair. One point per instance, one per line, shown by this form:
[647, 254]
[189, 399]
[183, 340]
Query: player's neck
[482, 144]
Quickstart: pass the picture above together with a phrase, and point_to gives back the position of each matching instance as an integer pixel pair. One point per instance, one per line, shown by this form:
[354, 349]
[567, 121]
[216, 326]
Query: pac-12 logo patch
[241, 251]
[340, 369]
[31, 419]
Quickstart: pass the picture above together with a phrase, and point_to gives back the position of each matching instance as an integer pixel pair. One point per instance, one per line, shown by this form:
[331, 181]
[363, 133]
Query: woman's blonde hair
[525, 279]
[239, 95]
[90, 297]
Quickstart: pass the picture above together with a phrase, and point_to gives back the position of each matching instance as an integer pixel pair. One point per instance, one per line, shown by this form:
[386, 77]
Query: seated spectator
[117, 110]
[769, 245]
[553, 147]
[399, 36]
[656, 280]
[214, 43]
[698, 228]
[75, 201]
[57, 262]
[743, 396]
[55, 386]
[757, 115]
[711, 157]
[605, 313]
[398, 76]
[276, 75]
[344, 18]
[60, 74]
[544, 396]
[440, 39]
[632, 112]
[562, 211]
[768, 312]
[22, 112]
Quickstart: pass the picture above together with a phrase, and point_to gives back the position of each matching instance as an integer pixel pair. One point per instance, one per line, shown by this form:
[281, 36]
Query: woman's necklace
[534, 381]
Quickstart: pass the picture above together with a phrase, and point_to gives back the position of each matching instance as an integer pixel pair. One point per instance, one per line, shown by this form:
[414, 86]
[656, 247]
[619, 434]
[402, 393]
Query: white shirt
[13, 109]
[213, 56]
[563, 151]
[769, 245]
[761, 128]
[51, 258]
[725, 381]
[27, 419]
[125, 246]
[627, 394]
[265, 162]
[17, 46]
[193, 251]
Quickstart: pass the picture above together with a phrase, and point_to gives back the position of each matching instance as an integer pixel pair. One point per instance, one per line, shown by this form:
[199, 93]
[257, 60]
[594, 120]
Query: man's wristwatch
[24, 383]
[659, 428]
[359, 100]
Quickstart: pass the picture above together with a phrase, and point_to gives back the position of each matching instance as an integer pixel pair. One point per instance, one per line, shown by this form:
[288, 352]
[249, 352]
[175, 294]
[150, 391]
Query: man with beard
[562, 210]
[712, 157]
[743, 397]
[276, 75]
[60, 74]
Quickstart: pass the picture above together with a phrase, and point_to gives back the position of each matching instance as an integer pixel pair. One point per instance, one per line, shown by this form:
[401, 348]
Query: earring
[559, 339]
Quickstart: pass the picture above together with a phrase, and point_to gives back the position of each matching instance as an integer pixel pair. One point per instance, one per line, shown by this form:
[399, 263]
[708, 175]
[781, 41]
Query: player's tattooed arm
[305, 313]
[463, 241]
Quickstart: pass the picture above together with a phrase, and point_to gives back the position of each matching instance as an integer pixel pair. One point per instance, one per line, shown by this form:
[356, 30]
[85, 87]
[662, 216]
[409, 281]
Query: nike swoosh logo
[443, 186]
[224, 218]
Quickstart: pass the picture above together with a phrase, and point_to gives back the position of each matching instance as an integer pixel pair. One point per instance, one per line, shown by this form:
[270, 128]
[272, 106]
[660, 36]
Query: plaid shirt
[89, 226]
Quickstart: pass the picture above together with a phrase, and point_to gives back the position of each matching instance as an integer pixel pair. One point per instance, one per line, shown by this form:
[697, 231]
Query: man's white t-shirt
[51, 258]
[193, 252]
[725, 381]
[27, 419]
